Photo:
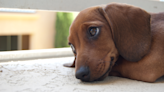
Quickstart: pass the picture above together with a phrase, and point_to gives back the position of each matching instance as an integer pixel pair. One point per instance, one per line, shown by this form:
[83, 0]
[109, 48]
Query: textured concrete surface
[49, 75]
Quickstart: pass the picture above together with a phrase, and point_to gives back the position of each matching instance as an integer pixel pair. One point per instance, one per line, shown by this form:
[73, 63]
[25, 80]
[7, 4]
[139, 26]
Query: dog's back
[157, 28]
[157, 22]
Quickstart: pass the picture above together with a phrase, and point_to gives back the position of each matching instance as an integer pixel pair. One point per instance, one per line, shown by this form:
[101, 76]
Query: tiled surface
[49, 75]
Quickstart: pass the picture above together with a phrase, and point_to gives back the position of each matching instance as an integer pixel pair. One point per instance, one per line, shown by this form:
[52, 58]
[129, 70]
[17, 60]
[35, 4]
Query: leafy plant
[63, 22]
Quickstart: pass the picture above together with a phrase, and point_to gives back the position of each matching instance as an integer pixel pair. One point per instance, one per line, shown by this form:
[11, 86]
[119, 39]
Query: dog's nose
[83, 73]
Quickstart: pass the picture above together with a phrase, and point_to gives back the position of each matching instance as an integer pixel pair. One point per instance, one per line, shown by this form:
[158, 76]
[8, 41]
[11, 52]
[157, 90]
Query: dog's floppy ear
[130, 27]
[70, 64]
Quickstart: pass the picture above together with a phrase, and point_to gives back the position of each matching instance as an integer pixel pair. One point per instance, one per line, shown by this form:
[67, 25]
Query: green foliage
[63, 22]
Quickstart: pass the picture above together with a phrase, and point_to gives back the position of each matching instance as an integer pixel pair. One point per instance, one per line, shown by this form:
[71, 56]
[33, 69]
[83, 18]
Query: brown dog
[120, 40]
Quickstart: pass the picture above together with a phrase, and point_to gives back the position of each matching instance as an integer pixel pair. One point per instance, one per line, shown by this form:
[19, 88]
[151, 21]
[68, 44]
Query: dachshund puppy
[118, 40]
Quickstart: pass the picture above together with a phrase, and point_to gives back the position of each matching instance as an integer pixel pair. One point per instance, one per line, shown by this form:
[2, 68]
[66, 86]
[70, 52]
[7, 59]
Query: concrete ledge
[31, 54]
[49, 75]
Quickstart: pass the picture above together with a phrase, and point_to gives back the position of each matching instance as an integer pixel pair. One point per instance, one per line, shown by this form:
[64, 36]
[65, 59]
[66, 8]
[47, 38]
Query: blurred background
[24, 29]
[30, 29]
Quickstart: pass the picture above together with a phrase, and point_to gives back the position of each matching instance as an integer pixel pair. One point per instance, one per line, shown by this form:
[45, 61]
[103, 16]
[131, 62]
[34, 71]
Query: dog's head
[100, 34]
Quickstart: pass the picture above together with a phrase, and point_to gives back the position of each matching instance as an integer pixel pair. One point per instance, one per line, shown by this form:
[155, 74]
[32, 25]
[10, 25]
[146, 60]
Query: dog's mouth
[86, 76]
[105, 74]
[101, 77]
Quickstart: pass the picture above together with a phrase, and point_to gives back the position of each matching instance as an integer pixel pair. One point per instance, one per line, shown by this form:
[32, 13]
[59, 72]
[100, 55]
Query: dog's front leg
[147, 69]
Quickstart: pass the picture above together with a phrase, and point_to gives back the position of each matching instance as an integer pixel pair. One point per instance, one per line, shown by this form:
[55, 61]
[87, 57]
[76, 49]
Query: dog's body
[119, 40]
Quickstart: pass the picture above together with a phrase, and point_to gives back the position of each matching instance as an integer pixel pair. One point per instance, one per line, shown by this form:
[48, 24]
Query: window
[14, 42]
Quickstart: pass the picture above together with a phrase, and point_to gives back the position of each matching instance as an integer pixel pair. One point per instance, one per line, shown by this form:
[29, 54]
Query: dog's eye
[73, 48]
[94, 31]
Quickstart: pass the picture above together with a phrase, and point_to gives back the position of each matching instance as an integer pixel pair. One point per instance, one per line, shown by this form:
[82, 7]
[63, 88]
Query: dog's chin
[102, 77]
[105, 74]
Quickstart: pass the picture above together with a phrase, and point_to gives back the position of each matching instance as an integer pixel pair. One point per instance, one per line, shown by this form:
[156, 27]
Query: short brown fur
[134, 37]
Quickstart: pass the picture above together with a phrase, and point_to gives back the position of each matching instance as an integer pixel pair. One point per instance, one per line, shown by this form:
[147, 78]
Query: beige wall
[40, 26]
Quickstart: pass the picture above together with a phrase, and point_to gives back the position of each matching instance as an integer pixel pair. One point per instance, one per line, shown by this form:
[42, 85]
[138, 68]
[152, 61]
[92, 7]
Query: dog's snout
[83, 73]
